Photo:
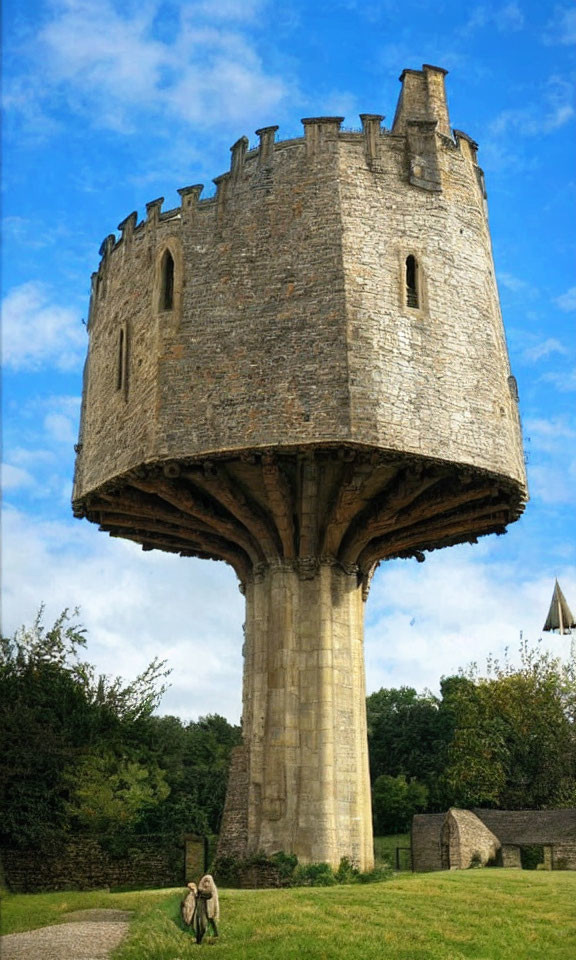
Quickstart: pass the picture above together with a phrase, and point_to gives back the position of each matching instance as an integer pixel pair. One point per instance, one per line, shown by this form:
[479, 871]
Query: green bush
[226, 870]
[346, 872]
[229, 870]
[377, 875]
[314, 875]
[286, 864]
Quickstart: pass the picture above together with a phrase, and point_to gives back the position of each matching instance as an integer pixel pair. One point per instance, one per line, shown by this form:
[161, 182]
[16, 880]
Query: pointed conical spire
[559, 615]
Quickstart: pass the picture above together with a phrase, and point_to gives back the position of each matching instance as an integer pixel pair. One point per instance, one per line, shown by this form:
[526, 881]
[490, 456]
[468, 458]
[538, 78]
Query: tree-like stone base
[301, 782]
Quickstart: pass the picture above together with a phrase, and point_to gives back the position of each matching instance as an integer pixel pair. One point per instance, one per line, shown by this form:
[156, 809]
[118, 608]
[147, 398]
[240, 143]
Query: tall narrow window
[167, 291]
[120, 370]
[412, 299]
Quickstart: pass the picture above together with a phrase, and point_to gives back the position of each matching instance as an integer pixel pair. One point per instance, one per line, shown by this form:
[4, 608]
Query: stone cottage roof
[530, 826]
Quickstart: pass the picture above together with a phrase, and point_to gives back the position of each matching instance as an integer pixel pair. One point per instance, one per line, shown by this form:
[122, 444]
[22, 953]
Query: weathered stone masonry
[300, 408]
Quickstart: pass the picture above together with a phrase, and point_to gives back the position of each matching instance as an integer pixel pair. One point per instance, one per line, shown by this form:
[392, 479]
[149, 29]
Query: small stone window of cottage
[412, 298]
[167, 281]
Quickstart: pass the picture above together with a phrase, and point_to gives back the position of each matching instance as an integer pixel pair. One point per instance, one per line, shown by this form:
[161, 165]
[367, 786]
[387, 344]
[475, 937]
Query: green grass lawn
[476, 914]
[385, 848]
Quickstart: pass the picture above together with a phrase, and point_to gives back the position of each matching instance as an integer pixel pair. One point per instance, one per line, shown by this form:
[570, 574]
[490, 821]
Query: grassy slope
[467, 915]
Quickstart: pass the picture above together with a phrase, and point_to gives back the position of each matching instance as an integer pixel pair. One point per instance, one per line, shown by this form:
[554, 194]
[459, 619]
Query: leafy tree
[110, 793]
[406, 733]
[195, 758]
[507, 739]
[514, 739]
[473, 771]
[395, 800]
[55, 717]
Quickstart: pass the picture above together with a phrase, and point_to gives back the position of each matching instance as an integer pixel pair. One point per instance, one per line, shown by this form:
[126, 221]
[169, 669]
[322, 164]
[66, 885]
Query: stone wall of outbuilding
[85, 864]
[564, 856]
[469, 839]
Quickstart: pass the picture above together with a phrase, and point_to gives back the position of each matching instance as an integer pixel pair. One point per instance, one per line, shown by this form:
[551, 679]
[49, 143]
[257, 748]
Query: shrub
[289, 873]
[475, 860]
[377, 875]
[227, 870]
[286, 864]
[314, 875]
[346, 872]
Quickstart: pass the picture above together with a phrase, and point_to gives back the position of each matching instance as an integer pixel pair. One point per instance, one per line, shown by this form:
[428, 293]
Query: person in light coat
[207, 910]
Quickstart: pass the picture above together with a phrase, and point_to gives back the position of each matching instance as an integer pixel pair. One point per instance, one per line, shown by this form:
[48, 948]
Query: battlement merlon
[153, 211]
[127, 226]
[266, 147]
[190, 197]
[423, 97]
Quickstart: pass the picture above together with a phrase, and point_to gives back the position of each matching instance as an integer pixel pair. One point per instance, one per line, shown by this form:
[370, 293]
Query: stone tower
[302, 376]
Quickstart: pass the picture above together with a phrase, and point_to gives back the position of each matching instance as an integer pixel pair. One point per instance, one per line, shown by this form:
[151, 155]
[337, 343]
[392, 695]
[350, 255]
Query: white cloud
[543, 349]
[550, 433]
[193, 63]
[134, 605]
[60, 418]
[552, 109]
[33, 234]
[229, 9]
[552, 465]
[40, 441]
[562, 27]
[426, 621]
[567, 301]
[27, 457]
[511, 282]
[15, 478]
[564, 381]
[516, 284]
[60, 428]
[552, 484]
[507, 18]
[38, 333]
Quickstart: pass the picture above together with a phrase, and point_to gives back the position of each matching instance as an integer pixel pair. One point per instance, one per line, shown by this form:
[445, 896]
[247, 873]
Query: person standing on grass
[188, 905]
[207, 907]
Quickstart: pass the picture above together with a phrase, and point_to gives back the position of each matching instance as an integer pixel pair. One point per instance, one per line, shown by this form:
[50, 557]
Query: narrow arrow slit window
[167, 291]
[412, 298]
[120, 370]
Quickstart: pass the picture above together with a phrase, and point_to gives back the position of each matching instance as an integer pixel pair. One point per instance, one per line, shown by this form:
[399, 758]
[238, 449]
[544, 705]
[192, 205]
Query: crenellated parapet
[420, 138]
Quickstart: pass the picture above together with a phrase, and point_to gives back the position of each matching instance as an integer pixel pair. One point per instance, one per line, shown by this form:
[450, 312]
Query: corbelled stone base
[304, 721]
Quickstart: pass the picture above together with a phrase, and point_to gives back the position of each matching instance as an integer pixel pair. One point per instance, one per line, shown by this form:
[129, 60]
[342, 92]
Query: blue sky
[109, 105]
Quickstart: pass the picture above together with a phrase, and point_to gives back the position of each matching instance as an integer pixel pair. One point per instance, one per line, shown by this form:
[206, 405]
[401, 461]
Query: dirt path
[86, 935]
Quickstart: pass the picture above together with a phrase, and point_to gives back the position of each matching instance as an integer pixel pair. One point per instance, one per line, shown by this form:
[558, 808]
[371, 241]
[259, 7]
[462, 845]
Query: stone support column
[304, 719]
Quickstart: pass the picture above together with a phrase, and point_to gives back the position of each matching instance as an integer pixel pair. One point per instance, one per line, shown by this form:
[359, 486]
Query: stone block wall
[84, 864]
[564, 856]
[233, 838]
[425, 840]
[511, 856]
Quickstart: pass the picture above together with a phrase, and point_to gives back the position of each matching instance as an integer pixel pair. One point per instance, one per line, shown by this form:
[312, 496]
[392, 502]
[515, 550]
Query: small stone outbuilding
[459, 839]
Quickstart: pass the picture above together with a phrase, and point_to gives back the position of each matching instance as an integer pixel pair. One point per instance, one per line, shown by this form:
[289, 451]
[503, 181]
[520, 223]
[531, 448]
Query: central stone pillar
[304, 716]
